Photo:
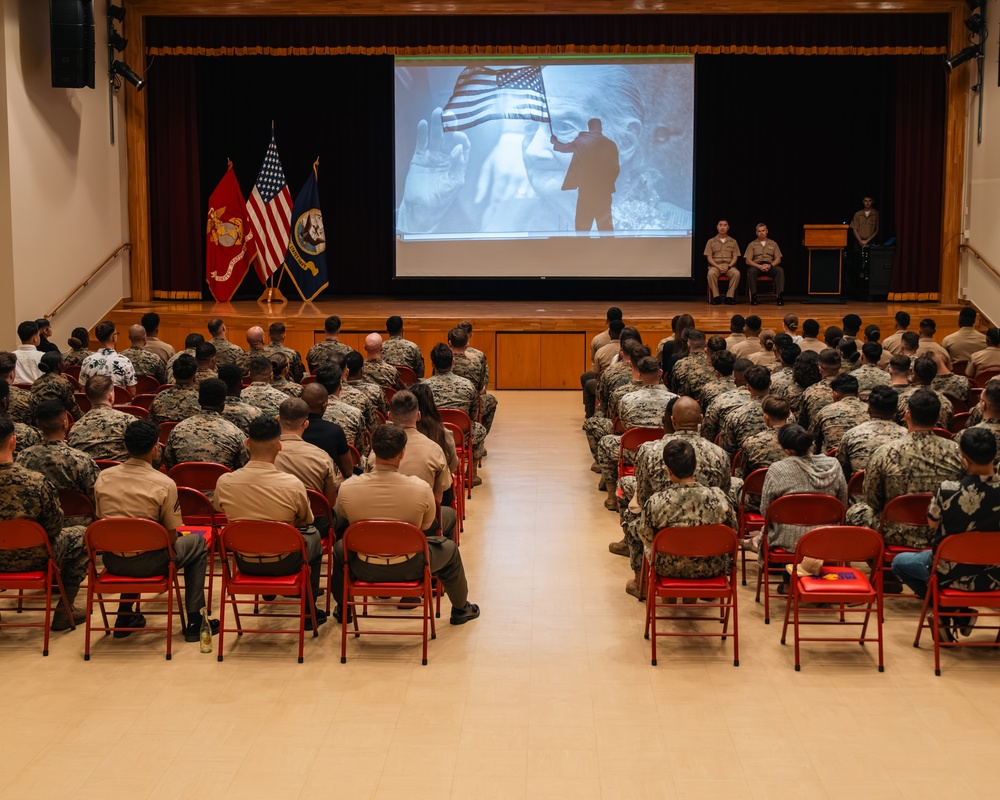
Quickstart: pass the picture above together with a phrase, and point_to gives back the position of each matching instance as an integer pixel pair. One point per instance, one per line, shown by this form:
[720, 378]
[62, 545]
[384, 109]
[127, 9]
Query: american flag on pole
[269, 212]
[482, 94]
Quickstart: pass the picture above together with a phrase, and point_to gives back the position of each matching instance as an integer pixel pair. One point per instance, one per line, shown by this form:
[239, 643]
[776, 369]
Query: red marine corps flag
[229, 242]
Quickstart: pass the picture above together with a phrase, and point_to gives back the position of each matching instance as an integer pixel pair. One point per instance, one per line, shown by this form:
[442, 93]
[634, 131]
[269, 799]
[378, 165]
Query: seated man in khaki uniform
[386, 493]
[259, 491]
[134, 489]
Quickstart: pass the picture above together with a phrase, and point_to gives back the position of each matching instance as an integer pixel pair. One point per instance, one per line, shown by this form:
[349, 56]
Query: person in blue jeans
[970, 504]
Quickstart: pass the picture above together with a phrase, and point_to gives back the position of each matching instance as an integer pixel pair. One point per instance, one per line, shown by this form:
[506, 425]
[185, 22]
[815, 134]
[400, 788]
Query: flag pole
[545, 97]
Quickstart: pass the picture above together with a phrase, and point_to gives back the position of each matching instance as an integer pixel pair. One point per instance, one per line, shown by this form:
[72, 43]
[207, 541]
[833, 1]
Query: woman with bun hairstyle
[51, 385]
[79, 348]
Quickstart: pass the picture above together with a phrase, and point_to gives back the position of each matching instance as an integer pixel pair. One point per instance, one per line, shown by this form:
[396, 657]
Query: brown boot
[61, 621]
[602, 486]
[595, 467]
[611, 504]
[635, 588]
[619, 548]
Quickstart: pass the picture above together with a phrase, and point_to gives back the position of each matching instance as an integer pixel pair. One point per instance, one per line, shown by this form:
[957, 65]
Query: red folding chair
[385, 538]
[73, 371]
[123, 396]
[136, 411]
[838, 584]
[944, 433]
[958, 367]
[133, 536]
[76, 504]
[631, 440]
[21, 534]
[73, 382]
[83, 401]
[388, 391]
[355, 455]
[197, 512]
[165, 429]
[960, 420]
[458, 476]
[146, 384]
[406, 375]
[106, 463]
[200, 475]
[811, 510]
[254, 538]
[984, 376]
[749, 522]
[320, 506]
[698, 542]
[144, 400]
[856, 485]
[460, 419]
[307, 379]
[164, 387]
[907, 509]
[975, 393]
[980, 548]
[958, 406]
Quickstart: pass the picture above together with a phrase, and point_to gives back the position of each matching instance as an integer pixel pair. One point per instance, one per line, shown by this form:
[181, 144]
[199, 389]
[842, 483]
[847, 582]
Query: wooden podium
[825, 244]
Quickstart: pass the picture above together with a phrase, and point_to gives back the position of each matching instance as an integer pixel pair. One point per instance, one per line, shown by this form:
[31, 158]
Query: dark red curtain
[919, 183]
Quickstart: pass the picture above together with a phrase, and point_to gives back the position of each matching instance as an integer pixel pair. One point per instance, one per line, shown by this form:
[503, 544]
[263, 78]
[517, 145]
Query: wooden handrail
[89, 278]
[980, 257]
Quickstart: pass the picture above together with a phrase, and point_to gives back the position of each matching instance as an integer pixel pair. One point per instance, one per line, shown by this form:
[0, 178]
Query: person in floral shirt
[107, 361]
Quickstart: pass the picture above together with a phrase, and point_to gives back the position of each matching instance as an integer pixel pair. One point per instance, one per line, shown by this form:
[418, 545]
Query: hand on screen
[437, 172]
[502, 176]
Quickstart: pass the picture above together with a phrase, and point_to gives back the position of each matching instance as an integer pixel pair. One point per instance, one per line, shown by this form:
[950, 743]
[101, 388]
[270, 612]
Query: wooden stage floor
[529, 344]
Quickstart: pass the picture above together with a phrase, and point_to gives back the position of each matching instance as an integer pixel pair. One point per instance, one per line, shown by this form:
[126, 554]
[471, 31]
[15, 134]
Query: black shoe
[336, 615]
[965, 623]
[268, 597]
[753, 300]
[470, 612]
[320, 619]
[409, 603]
[192, 633]
[129, 621]
[730, 301]
[715, 301]
[781, 300]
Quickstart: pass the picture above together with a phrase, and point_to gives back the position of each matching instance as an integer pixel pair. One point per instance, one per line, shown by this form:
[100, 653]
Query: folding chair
[74, 371]
[958, 367]
[133, 536]
[136, 411]
[76, 504]
[164, 387]
[83, 401]
[73, 382]
[701, 541]
[458, 476]
[960, 420]
[123, 396]
[320, 506]
[406, 375]
[144, 400]
[907, 509]
[975, 394]
[388, 391]
[355, 455]
[749, 522]
[765, 285]
[165, 429]
[146, 384]
[944, 433]
[958, 406]
[21, 534]
[266, 539]
[307, 379]
[811, 510]
[460, 419]
[723, 289]
[200, 475]
[856, 485]
[973, 547]
[197, 512]
[838, 584]
[630, 441]
[385, 538]
[983, 377]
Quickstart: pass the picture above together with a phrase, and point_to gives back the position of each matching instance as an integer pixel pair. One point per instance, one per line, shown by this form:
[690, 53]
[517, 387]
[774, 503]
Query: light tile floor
[548, 695]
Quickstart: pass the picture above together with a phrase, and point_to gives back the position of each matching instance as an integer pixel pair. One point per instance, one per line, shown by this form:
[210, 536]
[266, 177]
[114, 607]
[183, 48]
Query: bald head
[255, 336]
[137, 335]
[316, 397]
[686, 414]
[373, 345]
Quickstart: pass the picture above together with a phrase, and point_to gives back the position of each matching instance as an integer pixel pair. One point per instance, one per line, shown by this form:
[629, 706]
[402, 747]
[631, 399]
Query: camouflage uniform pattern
[175, 404]
[27, 495]
[373, 392]
[836, 419]
[350, 419]
[100, 433]
[814, 399]
[402, 352]
[685, 506]
[206, 437]
[329, 351]
[146, 362]
[760, 450]
[993, 426]
[597, 427]
[263, 396]
[711, 426]
[618, 374]
[784, 386]
[53, 387]
[741, 423]
[869, 377]
[919, 462]
[383, 373]
[65, 467]
[691, 374]
[239, 413]
[173, 359]
[228, 353]
[19, 405]
[25, 437]
[355, 397]
[642, 408]
[714, 388]
[75, 356]
[204, 375]
[476, 370]
[287, 387]
[955, 387]
[858, 444]
[945, 418]
[454, 391]
[295, 368]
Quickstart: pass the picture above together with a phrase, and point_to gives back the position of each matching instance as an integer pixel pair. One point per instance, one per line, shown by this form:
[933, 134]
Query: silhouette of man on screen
[593, 171]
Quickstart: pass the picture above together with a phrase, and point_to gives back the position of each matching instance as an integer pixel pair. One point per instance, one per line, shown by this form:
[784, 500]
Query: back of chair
[164, 387]
[74, 370]
[146, 384]
[165, 429]
[975, 393]
[944, 433]
[320, 506]
[136, 411]
[307, 379]
[406, 375]
[254, 537]
[805, 509]
[984, 376]
[958, 406]
[194, 505]
[73, 382]
[126, 535]
[383, 537]
[123, 396]
[754, 484]
[355, 455]
[19, 534]
[958, 367]
[634, 437]
[456, 433]
[697, 542]
[83, 401]
[840, 543]
[981, 548]
[457, 417]
[856, 485]
[76, 504]
[389, 393]
[106, 463]
[200, 475]
[144, 400]
[907, 509]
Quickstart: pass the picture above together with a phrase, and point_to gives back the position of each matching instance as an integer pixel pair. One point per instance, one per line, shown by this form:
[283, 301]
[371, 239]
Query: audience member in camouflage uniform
[191, 342]
[471, 351]
[693, 372]
[857, 444]
[277, 333]
[727, 401]
[683, 504]
[281, 382]
[722, 362]
[870, 374]
[100, 433]
[225, 351]
[25, 494]
[180, 401]
[989, 409]
[18, 399]
[25, 435]
[739, 423]
[79, 347]
[845, 412]
[235, 410]
[353, 366]
[376, 369]
[918, 462]
[401, 352]
[346, 416]
[616, 375]
[453, 391]
[146, 362]
[473, 368]
[260, 393]
[924, 370]
[52, 386]
[255, 343]
[762, 449]
[805, 373]
[353, 396]
[602, 424]
[819, 395]
[206, 356]
[331, 350]
[850, 357]
[207, 436]
[955, 387]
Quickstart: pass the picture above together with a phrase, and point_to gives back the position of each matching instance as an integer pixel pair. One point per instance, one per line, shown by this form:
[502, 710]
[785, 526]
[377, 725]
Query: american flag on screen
[269, 212]
[482, 94]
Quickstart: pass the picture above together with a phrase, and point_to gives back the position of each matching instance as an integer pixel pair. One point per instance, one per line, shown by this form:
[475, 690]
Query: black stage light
[116, 12]
[123, 69]
[117, 41]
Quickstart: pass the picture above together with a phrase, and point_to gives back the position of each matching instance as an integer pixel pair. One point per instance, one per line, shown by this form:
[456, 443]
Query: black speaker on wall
[71, 42]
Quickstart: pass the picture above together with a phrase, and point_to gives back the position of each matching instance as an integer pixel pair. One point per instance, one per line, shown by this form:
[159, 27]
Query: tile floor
[548, 695]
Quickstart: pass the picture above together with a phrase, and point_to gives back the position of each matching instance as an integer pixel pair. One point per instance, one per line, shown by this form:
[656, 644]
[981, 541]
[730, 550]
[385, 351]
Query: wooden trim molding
[136, 154]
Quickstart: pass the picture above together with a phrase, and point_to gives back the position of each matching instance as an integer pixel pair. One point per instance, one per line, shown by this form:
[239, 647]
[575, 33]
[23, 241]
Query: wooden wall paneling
[137, 160]
[956, 135]
[299, 341]
[487, 342]
[354, 339]
[561, 360]
[519, 361]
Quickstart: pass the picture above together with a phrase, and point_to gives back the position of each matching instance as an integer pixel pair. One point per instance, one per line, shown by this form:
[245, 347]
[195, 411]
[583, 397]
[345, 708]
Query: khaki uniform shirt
[134, 489]
[425, 459]
[963, 343]
[386, 493]
[161, 348]
[865, 225]
[928, 345]
[766, 252]
[604, 356]
[734, 339]
[893, 343]
[722, 251]
[603, 338]
[260, 491]
[746, 348]
[985, 359]
[309, 464]
[811, 343]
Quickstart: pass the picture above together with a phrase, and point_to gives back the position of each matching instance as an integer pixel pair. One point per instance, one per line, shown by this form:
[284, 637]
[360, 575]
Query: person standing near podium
[763, 257]
[722, 251]
[864, 224]
[864, 229]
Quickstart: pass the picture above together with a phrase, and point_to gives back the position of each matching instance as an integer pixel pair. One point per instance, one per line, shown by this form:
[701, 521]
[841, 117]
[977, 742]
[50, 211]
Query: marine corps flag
[305, 261]
[229, 243]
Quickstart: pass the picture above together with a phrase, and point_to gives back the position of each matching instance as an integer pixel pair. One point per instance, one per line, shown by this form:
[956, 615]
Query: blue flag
[305, 261]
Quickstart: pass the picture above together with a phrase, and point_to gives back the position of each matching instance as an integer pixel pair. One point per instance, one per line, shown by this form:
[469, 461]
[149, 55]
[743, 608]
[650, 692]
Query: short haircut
[231, 375]
[967, 317]
[991, 395]
[928, 326]
[758, 377]
[215, 325]
[205, 351]
[329, 377]
[332, 324]
[925, 407]
[457, 337]
[679, 456]
[7, 363]
[27, 330]
[832, 335]
[264, 429]
[211, 393]
[993, 336]
[742, 365]
[394, 325]
[723, 362]
[900, 364]
[695, 337]
[872, 351]
[776, 407]
[852, 324]
[669, 410]
[753, 323]
[388, 441]
[259, 365]
[883, 400]
[830, 357]
[141, 437]
[403, 404]
[845, 384]
[97, 387]
[615, 328]
[810, 328]
[442, 357]
[276, 329]
[293, 410]
[42, 323]
[902, 319]
[737, 323]
[873, 333]
[978, 445]
[630, 332]
[6, 428]
[789, 352]
[925, 368]
[104, 330]
[613, 313]
[185, 367]
[49, 416]
[151, 322]
[795, 438]
[648, 365]
[355, 362]
[192, 340]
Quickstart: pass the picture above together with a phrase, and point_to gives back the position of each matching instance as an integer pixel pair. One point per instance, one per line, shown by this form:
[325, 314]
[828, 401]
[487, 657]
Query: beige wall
[62, 182]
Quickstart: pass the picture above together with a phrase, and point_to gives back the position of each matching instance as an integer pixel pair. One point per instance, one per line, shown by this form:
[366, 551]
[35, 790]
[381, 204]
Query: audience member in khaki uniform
[722, 252]
[763, 257]
[151, 322]
[928, 328]
[751, 344]
[987, 358]
[894, 342]
[607, 353]
[810, 337]
[305, 461]
[966, 340]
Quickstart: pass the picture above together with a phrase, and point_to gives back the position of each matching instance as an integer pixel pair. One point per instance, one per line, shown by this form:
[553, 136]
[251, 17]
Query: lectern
[825, 244]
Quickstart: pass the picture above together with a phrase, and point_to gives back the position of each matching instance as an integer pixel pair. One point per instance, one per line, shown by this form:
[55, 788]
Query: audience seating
[136, 411]
[144, 400]
[146, 384]
[82, 400]
[197, 511]
[749, 522]
[461, 420]
[631, 440]
[765, 286]
[960, 421]
[320, 506]
[458, 477]
[74, 370]
[76, 504]
[73, 382]
[944, 433]
[406, 375]
[983, 377]
[907, 509]
[165, 428]
[856, 485]
[958, 367]
[123, 396]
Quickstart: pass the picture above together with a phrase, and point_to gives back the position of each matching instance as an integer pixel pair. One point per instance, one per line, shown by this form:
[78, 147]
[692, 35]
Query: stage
[529, 344]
